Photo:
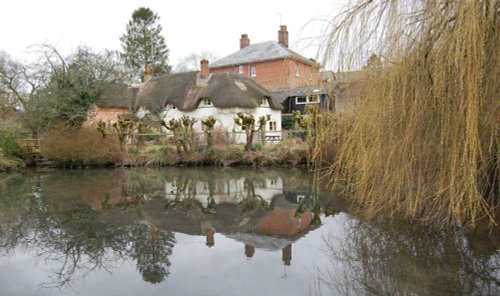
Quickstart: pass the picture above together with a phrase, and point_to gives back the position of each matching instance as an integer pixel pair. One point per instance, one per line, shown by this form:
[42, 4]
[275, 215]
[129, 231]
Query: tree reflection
[374, 259]
[82, 221]
[77, 240]
[151, 248]
[251, 202]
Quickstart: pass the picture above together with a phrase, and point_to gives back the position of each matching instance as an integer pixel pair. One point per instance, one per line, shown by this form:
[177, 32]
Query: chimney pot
[204, 69]
[244, 41]
[283, 36]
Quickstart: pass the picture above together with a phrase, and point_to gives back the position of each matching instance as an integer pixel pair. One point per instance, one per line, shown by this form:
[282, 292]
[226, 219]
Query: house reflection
[252, 207]
[282, 222]
[218, 191]
[276, 230]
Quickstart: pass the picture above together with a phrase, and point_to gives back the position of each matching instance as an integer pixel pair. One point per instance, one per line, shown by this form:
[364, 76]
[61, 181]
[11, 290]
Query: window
[301, 100]
[273, 126]
[207, 102]
[310, 74]
[253, 71]
[264, 102]
[240, 70]
[307, 100]
[313, 99]
[297, 70]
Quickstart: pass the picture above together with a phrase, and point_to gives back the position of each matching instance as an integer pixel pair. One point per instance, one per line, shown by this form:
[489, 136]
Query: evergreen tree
[143, 44]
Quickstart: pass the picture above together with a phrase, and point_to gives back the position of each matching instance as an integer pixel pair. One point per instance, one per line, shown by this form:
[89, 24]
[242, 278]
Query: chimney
[148, 74]
[286, 255]
[283, 35]
[244, 41]
[204, 69]
[249, 251]
[209, 237]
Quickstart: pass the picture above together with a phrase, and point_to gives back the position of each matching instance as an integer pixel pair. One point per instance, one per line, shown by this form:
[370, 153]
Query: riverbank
[273, 156]
[279, 155]
[9, 165]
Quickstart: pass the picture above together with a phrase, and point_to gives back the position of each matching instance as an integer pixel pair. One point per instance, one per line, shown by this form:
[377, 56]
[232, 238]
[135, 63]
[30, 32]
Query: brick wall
[277, 74]
[284, 222]
[104, 114]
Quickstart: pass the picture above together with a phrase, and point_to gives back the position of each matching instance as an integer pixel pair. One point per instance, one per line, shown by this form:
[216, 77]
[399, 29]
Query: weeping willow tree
[422, 140]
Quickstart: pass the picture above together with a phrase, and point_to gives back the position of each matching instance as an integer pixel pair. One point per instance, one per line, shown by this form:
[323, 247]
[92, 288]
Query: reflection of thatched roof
[261, 241]
[117, 96]
[186, 90]
[227, 219]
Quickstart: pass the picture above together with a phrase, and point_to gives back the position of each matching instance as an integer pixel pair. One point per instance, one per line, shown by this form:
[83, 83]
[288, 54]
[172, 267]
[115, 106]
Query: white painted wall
[225, 191]
[225, 118]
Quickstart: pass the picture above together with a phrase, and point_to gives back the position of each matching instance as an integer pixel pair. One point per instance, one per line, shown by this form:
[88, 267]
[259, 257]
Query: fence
[221, 138]
[29, 145]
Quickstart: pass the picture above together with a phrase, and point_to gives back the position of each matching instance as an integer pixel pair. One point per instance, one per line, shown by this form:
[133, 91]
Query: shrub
[77, 147]
[9, 145]
[288, 122]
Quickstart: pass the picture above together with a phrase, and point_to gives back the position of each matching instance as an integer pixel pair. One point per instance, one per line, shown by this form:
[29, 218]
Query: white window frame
[253, 71]
[207, 102]
[297, 70]
[240, 70]
[273, 126]
[264, 102]
[309, 100]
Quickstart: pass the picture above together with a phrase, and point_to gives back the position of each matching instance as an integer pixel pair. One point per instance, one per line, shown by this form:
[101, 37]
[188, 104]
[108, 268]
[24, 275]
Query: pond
[185, 231]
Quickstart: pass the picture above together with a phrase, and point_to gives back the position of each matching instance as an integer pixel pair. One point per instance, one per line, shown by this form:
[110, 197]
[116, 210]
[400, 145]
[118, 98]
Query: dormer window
[207, 102]
[240, 70]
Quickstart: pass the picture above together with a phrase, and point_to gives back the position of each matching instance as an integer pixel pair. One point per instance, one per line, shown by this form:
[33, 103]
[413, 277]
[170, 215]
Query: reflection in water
[84, 222]
[369, 259]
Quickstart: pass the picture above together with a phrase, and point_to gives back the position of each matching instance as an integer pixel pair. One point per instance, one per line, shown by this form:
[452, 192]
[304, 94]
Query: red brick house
[284, 72]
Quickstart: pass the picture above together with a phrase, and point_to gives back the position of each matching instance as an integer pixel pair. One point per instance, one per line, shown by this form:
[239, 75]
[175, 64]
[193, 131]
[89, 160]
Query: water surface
[219, 232]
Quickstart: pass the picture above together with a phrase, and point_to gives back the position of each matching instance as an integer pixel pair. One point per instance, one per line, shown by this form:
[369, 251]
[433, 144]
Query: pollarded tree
[247, 123]
[143, 44]
[208, 128]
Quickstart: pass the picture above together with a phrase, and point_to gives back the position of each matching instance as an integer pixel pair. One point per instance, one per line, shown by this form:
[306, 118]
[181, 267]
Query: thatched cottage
[117, 100]
[203, 94]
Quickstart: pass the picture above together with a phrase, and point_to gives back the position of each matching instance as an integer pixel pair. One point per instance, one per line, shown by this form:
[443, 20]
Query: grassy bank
[87, 148]
[9, 164]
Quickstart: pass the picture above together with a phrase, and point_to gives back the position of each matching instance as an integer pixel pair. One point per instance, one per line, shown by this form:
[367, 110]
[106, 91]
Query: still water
[220, 232]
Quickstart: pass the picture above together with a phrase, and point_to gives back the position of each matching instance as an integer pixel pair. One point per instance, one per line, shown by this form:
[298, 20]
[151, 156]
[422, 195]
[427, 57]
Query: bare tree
[19, 82]
[191, 62]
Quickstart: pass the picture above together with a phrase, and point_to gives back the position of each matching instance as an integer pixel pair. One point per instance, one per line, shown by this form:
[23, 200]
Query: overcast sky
[188, 25]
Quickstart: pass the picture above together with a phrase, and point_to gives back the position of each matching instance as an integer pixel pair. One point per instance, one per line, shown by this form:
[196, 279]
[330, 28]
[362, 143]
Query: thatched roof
[186, 90]
[259, 52]
[117, 96]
